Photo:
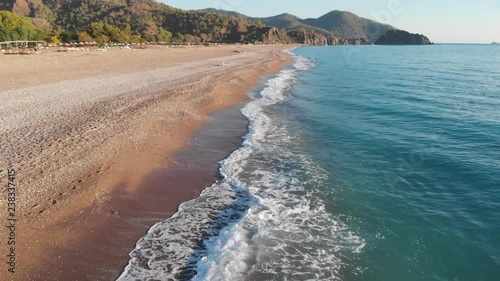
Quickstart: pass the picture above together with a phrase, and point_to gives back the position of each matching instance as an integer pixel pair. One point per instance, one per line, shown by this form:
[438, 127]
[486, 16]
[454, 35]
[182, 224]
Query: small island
[401, 37]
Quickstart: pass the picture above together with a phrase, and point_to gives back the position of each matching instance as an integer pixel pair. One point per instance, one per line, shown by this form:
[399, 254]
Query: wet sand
[102, 254]
[90, 148]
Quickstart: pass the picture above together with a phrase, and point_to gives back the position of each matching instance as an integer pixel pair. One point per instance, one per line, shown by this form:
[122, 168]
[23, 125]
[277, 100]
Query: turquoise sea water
[410, 139]
[367, 163]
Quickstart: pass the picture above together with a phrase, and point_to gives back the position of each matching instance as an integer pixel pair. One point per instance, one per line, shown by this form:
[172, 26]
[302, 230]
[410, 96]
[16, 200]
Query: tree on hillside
[69, 36]
[113, 33]
[264, 38]
[42, 12]
[179, 38]
[189, 39]
[101, 39]
[54, 36]
[83, 36]
[15, 27]
[164, 35]
[204, 38]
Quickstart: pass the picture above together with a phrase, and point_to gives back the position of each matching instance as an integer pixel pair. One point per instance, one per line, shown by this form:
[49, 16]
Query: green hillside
[149, 20]
[14, 27]
[347, 25]
[142, 20]
[338, 26]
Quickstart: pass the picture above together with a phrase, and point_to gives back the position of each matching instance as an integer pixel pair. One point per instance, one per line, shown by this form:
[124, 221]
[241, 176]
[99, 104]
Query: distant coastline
[454, 43]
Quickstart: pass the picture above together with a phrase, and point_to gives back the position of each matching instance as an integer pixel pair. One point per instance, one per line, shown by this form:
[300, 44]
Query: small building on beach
[23, 47]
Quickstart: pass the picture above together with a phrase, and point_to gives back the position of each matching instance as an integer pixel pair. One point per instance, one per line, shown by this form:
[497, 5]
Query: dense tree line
[14, 27]
[130, 21]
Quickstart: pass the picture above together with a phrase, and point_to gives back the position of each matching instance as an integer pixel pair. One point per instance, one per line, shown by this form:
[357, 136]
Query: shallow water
[361, 163]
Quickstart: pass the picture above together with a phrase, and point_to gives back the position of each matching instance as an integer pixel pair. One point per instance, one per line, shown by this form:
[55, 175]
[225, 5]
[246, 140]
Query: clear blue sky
[453, 21]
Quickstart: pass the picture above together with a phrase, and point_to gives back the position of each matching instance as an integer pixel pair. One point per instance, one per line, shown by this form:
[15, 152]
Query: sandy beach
[100, 142]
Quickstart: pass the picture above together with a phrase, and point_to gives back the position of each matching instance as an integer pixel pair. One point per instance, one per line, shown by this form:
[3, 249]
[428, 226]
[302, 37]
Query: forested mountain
[140, 20]
[347, 25]
[149, 20]
[224, 12]
[291, 22]
[336, 25]
[15, 27]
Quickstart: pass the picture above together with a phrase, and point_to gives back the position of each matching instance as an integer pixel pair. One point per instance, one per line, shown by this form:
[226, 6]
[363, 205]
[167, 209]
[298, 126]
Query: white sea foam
[263, 222]
[286, 236]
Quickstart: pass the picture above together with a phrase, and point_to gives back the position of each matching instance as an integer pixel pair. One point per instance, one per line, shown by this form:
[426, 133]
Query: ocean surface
[361, 163]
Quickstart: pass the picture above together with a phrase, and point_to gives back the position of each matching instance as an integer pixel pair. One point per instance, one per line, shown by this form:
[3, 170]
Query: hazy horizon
[443, 22]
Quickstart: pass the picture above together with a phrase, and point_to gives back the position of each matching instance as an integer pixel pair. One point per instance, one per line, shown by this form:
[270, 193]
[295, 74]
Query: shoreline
[88, 211]
[198, 164]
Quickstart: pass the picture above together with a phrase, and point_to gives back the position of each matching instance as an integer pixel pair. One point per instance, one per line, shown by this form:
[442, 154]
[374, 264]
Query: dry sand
[83, 130]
